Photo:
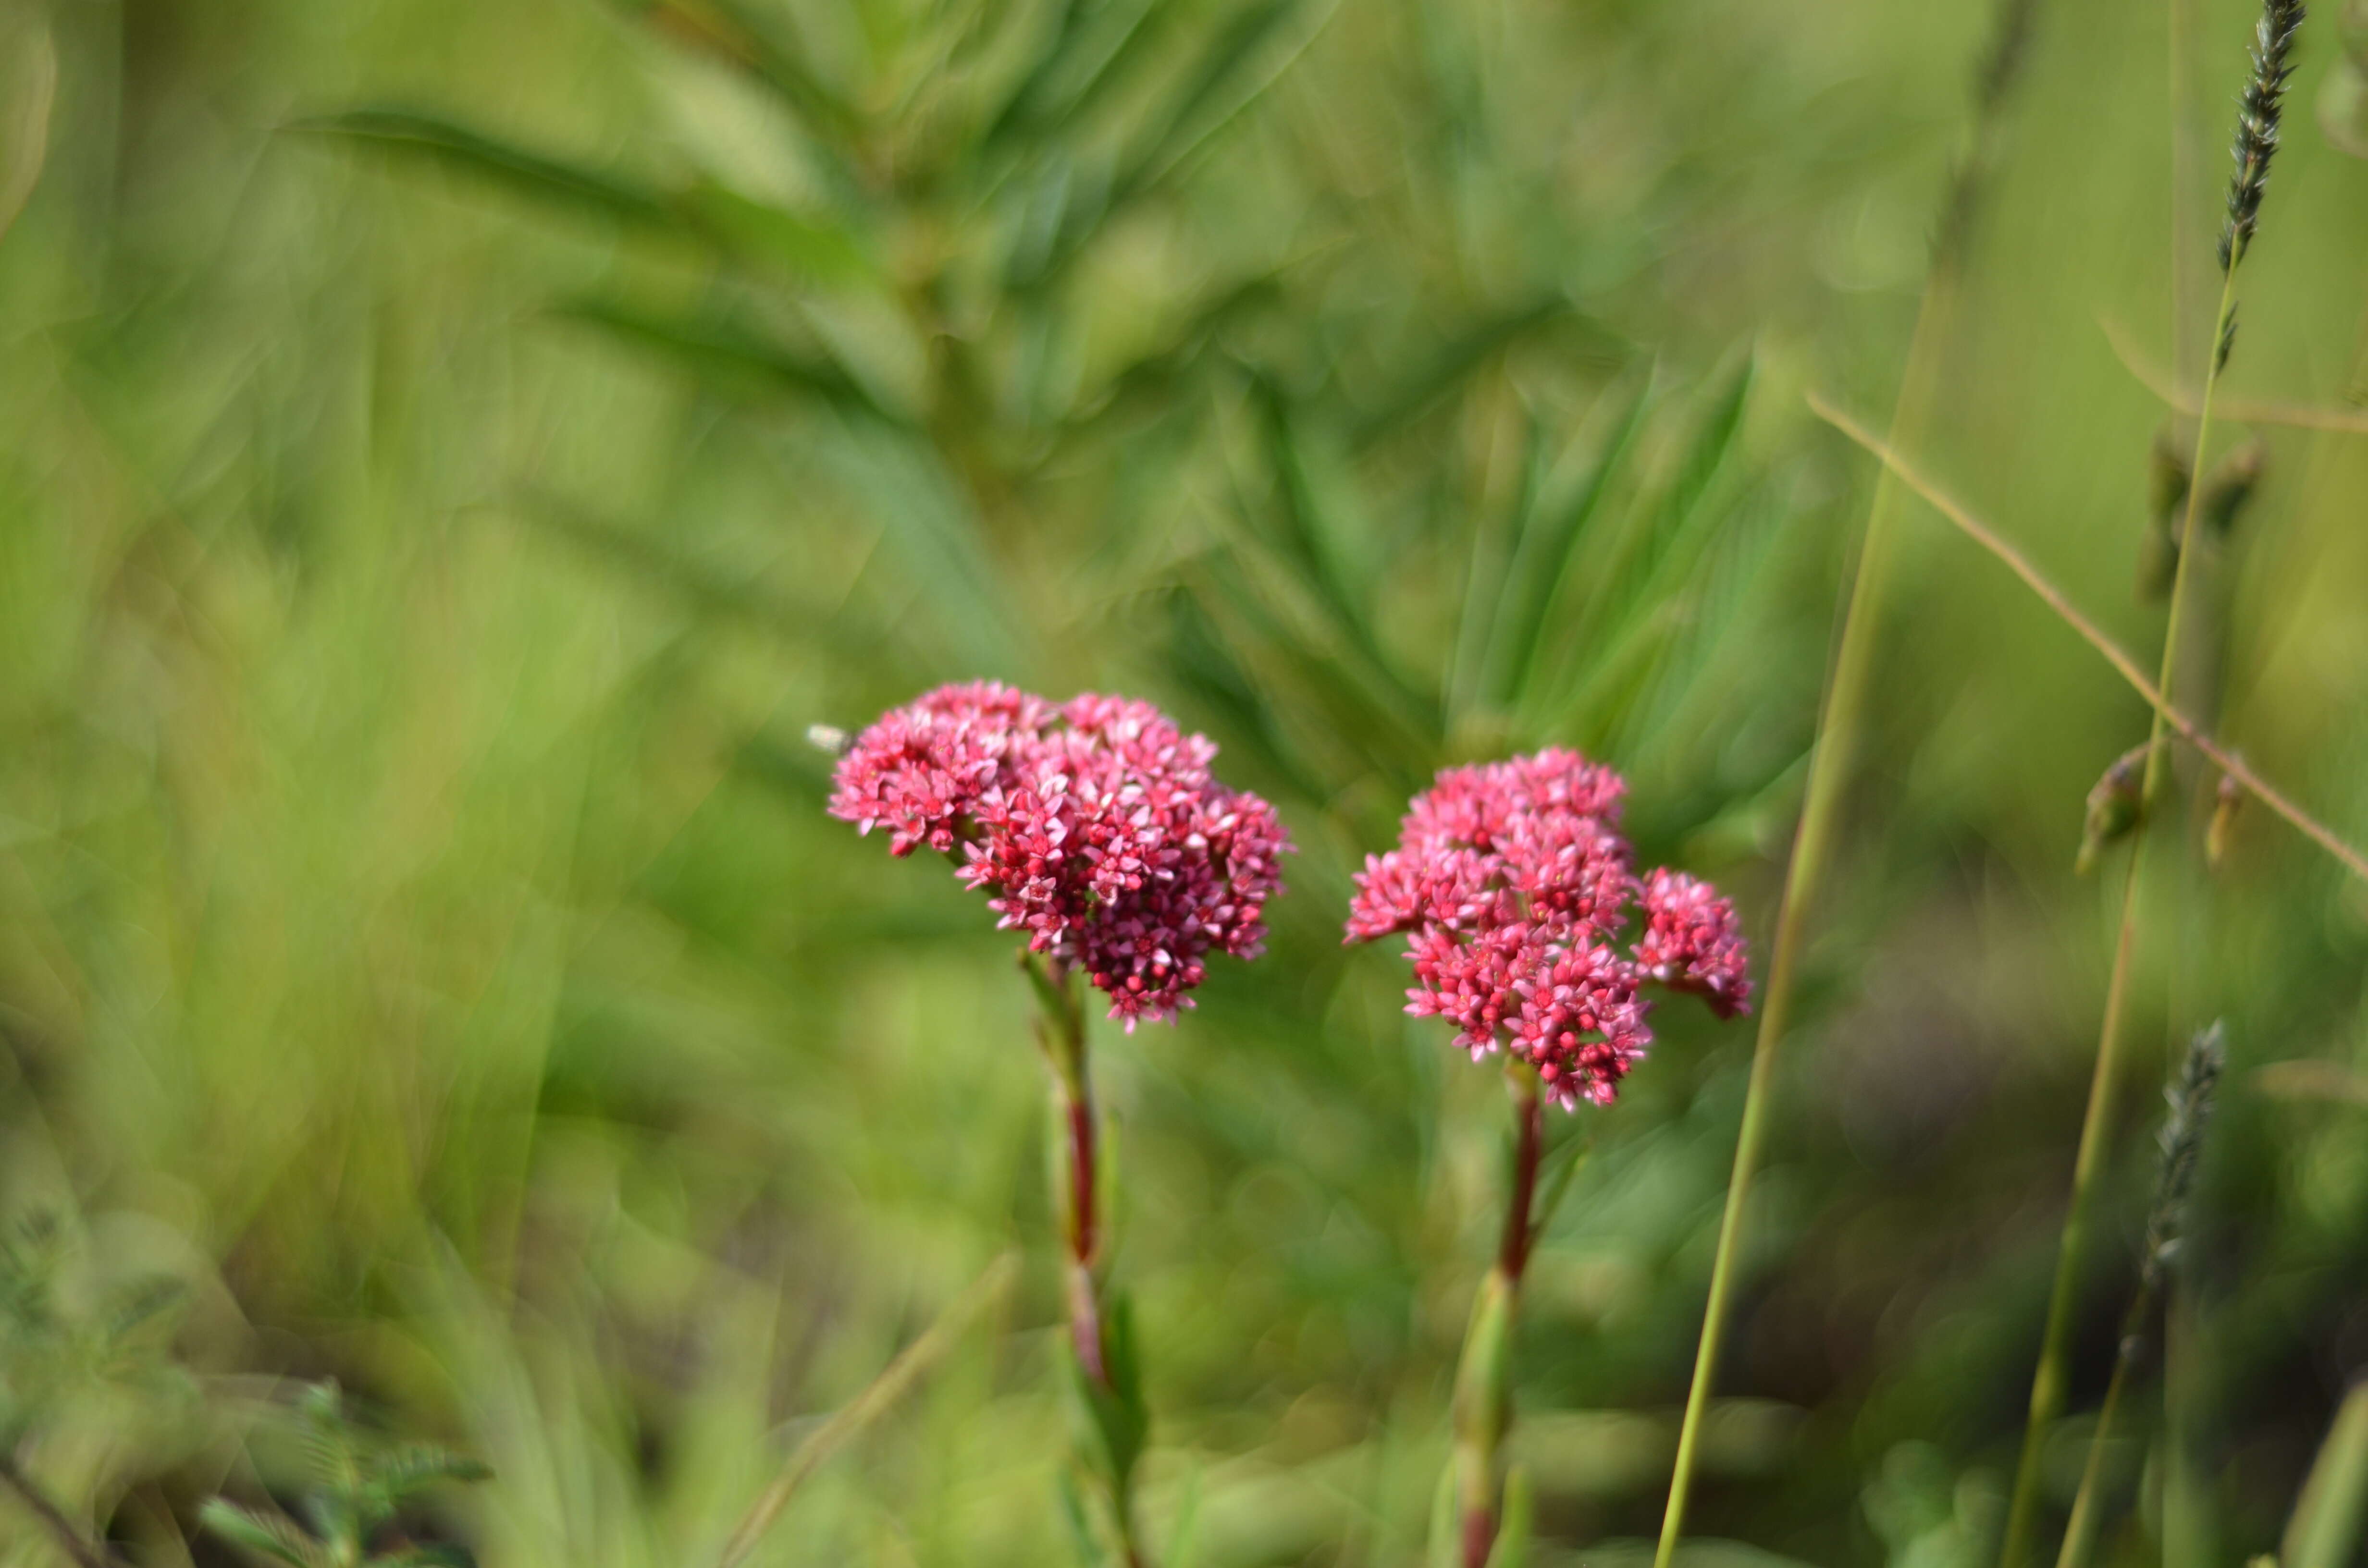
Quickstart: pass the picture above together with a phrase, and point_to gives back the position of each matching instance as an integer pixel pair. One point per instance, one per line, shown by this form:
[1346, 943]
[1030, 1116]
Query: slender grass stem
[2080, 1534]
[1839, 718]
[881, 1393]
[2060, 604]
[2049, 1382]
[2182, 1142]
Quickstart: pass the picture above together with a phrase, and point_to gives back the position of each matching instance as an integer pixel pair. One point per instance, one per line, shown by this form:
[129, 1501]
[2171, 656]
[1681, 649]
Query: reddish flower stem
[1076, 1190]
[1084, 1308]
[1483, 1409]
[1513, 1251]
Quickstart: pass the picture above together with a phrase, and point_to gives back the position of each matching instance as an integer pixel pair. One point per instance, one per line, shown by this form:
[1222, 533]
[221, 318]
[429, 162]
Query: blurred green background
[450, 452]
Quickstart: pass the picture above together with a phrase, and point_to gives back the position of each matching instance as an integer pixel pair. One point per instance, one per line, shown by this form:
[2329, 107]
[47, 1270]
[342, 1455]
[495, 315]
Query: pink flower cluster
[1513, 884]
[1096, 827]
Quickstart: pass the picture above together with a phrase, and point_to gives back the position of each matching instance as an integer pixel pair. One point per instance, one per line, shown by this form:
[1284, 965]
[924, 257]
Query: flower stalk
[1096, 828]
[2258, 120]
[1512, 884]
[1484, 1403]
[1841, 715]
[2182, 1146]
[1114, 1423]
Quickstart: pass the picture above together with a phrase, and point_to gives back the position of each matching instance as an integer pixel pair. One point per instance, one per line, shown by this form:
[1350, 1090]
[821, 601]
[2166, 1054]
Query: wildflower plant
[1097, 830]
[356, 1487]
[1513, 887]
[72, 1346]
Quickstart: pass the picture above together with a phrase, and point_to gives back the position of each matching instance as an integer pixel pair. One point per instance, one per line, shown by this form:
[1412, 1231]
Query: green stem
[1076, 1198]
[1839, 718]
[2048, 1382]
[2080, 1534]
[1483, 1409]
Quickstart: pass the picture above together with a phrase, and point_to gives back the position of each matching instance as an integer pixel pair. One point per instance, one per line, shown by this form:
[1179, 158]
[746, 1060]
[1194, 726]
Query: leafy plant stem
[1483, 1411]
[2080, 1534]
[1076, 1198]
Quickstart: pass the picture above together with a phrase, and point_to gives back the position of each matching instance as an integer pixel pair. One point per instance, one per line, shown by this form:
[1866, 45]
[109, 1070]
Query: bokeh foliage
[452, 451]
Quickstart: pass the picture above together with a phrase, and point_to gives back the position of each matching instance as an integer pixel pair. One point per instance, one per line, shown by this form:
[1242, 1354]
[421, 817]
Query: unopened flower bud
[2226, 801]
[2113, 806]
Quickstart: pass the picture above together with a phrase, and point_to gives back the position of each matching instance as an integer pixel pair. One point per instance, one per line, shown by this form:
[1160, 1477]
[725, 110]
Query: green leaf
[724, 355]
[1470, 350]
[1308, 539]
[1180, 126]
[1083, 1538]
[444, 142]
[270, 1535]
[1184, 126]
[651, 558]
[1208, 670]
[1113, 1420]
[1544, 556]
[2325, 1529]
[746, 38]
[1095, 45]
[1512, 1542]
[1445, 1547]
[1157, 373]
[1488, 579]
[928, 516]
[1647, 590]
[1660, 530]
[806, 249]
[412, 1467]
[440, 1555]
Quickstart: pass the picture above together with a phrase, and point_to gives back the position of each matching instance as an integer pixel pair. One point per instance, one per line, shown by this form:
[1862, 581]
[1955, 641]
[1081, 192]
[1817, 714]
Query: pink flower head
[1514, 885]
[1096, 827]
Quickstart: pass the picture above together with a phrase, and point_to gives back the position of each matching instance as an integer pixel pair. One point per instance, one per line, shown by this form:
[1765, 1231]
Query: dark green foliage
[355, 1487]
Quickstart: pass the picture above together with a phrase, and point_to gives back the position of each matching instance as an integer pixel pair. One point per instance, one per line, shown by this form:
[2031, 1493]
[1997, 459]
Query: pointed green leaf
[402, 1472]
[269, 1534]
[456, 146]
[809, 250]
[1470, 349]
[1083, 1538]
[1445, 1546]
[1512, 1543]
[1544, 558]
[1095, 44]
[2325, 1529]
[1112, 1420]
[747, 38]
[723, 354]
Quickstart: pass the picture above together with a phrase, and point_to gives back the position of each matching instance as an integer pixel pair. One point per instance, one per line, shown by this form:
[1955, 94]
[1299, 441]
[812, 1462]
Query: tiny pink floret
[1513, 884]
[1095, 827]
